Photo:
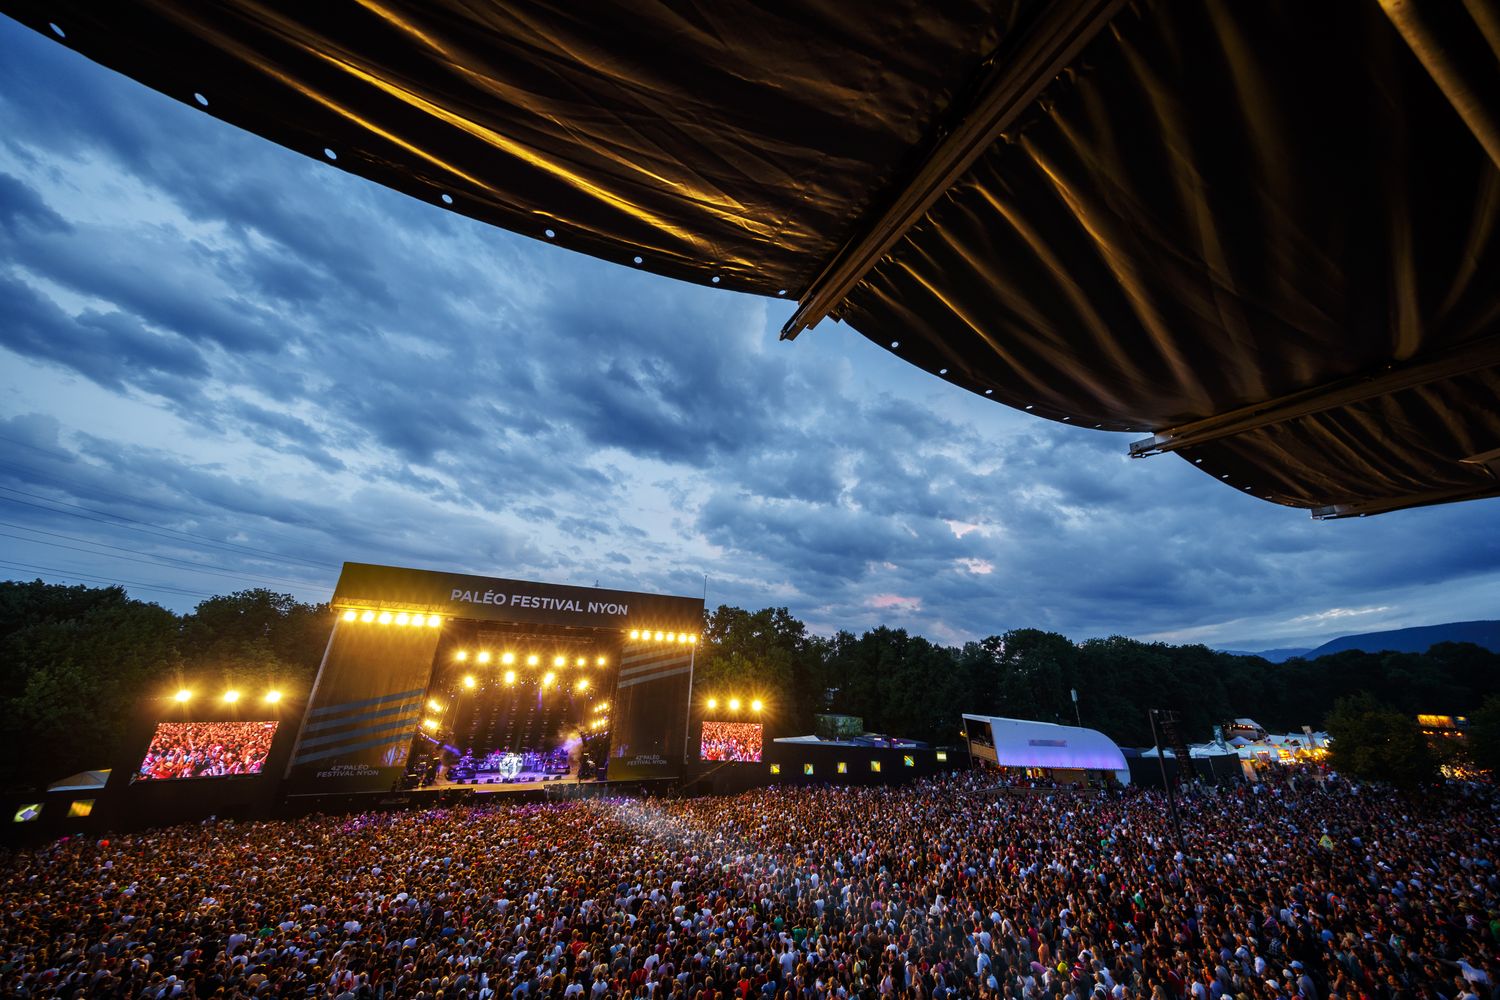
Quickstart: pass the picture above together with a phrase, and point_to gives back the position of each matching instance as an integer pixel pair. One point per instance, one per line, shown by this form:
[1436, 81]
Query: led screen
[206, 750]
[738, 741]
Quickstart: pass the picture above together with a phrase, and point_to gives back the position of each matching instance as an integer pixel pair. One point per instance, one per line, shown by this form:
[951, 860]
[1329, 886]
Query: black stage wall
[651, 708]
[830, 763]
[125, 805]
[378, 672]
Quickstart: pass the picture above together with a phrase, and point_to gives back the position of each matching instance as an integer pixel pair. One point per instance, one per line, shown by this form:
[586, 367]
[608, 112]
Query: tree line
[906, 685]
[77, 662]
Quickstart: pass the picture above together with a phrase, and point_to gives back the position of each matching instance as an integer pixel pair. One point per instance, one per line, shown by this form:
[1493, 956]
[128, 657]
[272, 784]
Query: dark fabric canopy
[1265, 232]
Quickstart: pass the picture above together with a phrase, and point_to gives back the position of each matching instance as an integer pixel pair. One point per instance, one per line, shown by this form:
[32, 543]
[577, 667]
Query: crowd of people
[944, 888]
[206, 749]
[735, 741]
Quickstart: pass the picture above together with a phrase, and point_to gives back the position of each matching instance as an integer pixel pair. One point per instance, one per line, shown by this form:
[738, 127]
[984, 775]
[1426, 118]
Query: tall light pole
[1075, 708]
[1167, 718]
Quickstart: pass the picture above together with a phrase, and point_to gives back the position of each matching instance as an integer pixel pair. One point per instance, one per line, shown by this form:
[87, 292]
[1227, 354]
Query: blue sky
[226, 365]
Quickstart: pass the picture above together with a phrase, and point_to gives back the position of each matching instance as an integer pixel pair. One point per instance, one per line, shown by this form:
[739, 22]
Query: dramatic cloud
[227, 365]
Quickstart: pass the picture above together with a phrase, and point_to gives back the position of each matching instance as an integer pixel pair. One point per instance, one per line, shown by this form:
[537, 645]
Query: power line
[146, 527]
[32, 473]
[141, 557]
[68, 574]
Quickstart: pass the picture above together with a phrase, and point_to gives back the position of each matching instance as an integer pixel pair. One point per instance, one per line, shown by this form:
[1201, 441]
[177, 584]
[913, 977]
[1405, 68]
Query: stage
[522, 784]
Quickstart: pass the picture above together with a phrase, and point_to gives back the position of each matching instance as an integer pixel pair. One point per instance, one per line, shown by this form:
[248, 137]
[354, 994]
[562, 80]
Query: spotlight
[734, 704]
[368, 616]
[548, 679]
[558, 661]
[583, 685]
[510, 677]
[671, 636]
[469, 680]
[582, 661]
[693, 640]
[429, 724]
[461, 655]
[599, 662]
[484, 656]
[273, 697]
[433, 704]
[601, 706]
[350, 615]
[682, 637]
[713, 703]
[385, 618]
[419, 620]
[403, 618]
[659, 637]
[757, 705]
[507, 658]
[533, 660]
[433, 621]
[183, 695]
[635, 633]
[231, 696]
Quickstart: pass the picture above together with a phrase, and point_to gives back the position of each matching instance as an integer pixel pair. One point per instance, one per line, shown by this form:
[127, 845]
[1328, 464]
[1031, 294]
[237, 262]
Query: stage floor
[486, 787]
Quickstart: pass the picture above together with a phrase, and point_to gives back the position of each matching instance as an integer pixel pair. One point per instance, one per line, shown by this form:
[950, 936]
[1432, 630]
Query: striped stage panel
[365, 709]
[383, 723]
[650, 711]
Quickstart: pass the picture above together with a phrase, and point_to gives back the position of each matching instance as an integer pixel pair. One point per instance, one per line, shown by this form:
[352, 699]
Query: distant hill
[1415, 640]
[1274, 655]
[1400, 640]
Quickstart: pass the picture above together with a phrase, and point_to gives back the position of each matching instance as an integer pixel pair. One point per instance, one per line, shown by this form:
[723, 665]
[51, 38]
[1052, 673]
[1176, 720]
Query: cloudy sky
[224, 365]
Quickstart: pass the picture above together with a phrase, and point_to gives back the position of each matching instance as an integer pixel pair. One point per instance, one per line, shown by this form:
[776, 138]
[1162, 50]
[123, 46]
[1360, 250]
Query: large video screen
[736, 741]
[206, 750]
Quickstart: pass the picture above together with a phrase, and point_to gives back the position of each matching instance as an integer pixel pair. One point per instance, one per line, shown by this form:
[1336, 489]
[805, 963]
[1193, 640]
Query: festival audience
[947, 888]
[207, 749]
[738, 741]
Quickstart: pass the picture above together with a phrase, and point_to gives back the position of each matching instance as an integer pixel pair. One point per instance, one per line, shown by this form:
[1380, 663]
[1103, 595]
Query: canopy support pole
[1359, 508]
[1017, 76]
[1461, 360]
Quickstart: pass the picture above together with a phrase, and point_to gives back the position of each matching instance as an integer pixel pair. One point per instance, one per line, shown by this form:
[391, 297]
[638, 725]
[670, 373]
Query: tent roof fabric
[1265, 234]
[1024, 743]
[83, 781]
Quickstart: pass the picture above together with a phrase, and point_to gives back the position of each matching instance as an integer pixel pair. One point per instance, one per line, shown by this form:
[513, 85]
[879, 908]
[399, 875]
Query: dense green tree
[1036, 671]
[76, 683]
[767, 653]
[1374, 743]
[24, 604]
[80, 664]
[1483, 736]
[255, 639]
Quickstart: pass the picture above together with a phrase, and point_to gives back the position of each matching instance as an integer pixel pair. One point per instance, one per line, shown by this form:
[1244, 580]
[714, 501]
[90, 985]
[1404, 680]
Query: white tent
[1025, 743]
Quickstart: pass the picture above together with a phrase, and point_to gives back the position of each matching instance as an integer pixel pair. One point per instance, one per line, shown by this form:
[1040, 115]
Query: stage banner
[364, 710]
[648, 729]
[479, 598]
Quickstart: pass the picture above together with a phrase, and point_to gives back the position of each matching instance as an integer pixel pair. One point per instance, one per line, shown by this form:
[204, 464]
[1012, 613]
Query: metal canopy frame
[1017, 74]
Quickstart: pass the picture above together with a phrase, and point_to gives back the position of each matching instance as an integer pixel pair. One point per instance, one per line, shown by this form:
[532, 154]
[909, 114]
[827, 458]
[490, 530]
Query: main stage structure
[442, 668]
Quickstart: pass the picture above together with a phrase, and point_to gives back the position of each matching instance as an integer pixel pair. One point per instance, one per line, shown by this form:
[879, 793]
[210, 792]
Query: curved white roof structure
[1024, 743]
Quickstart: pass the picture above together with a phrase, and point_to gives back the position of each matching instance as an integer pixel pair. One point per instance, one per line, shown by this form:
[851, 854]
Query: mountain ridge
[1416, 639]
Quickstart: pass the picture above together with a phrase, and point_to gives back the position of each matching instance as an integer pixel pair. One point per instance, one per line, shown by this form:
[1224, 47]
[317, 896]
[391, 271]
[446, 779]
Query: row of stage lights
[230, 697]
[509, 677]
[420, 619]
[671, 638]
[483, 657]
[734, 704]
[416, 619]
[598, 723]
